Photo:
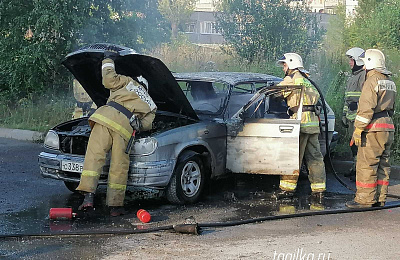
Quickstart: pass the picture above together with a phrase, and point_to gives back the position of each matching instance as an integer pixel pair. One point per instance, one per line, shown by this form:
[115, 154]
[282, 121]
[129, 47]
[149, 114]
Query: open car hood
[85, 65]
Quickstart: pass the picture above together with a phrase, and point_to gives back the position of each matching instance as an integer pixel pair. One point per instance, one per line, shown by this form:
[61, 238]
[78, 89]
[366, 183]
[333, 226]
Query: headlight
[52, 141]
[144, 146]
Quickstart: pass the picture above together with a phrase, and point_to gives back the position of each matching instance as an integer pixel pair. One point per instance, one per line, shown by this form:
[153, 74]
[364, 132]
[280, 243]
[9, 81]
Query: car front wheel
[187, 182]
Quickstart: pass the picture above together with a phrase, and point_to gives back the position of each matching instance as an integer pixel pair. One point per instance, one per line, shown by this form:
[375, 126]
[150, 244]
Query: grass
[37, 113]
[182, 56]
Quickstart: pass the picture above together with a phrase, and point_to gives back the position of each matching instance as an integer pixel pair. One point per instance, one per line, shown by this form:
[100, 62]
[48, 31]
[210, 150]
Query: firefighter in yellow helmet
[129, 107]
[351, 97]
[374, 132]
[84, 104]
[295, 74]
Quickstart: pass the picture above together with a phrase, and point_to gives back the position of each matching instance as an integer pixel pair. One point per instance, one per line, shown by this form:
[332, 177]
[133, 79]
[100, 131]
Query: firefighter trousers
[373, 167]
[311, 151]
[101, 141]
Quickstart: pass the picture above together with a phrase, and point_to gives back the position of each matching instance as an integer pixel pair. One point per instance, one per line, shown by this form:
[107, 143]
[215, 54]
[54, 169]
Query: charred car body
[207, 125]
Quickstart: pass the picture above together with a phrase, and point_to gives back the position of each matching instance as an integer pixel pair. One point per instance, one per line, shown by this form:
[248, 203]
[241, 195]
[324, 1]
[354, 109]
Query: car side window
[243, 89]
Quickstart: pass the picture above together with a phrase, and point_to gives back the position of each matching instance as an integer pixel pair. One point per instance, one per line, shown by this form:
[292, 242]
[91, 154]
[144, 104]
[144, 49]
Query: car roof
[232, 78]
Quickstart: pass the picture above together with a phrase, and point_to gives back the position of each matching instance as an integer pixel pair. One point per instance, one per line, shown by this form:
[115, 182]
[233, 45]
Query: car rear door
[262, 140]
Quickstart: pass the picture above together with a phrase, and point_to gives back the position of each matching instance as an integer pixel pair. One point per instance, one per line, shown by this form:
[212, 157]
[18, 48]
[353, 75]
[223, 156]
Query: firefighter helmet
[354, 53]
[373, 59]
[293, 60]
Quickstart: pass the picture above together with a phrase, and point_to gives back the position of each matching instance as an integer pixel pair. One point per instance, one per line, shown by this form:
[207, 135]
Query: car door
[261, 141]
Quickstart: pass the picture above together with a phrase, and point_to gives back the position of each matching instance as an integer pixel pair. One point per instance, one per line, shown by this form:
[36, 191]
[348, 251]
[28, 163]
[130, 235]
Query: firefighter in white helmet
[351, 96]
[374, 132]
[128, 108]
[295, 74]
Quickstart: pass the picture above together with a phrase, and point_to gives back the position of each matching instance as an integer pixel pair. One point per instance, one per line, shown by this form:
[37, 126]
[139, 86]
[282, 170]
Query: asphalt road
[26, 198]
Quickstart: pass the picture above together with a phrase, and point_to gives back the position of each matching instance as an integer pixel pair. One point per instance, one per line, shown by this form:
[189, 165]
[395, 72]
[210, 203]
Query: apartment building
[201, 29]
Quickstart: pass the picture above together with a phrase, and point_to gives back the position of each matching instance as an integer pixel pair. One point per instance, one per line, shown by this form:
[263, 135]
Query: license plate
[71, 166]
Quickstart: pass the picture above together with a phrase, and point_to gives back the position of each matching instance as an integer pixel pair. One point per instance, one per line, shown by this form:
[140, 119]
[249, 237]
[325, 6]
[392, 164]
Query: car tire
[187, 182]
[71, 185]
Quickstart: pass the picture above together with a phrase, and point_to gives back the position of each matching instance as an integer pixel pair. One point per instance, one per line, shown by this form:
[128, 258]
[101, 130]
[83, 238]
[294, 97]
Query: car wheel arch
[200, 150]
[194, 158]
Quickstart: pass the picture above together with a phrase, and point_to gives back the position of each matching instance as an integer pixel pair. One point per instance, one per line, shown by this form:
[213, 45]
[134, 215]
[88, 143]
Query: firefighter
[295, 74]
[351, 97]
[374, 132]
[84, 105]
[128, 108]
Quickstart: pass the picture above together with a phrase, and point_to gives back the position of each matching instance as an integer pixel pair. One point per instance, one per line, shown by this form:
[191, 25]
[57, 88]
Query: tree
[176, 12]
[377, 26]
[337, 35]
[259, 30]
[36, 35]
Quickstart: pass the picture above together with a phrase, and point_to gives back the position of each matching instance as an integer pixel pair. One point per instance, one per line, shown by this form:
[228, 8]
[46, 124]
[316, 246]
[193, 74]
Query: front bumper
[154, 174]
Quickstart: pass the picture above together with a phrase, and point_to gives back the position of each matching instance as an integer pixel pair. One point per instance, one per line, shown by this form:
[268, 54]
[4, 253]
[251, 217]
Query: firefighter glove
[110, 54]
[345, 121]
[357, 136]
[134, 121]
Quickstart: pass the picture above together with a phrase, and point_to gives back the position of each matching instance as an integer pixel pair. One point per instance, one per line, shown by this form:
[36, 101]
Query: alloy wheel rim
[191, 178]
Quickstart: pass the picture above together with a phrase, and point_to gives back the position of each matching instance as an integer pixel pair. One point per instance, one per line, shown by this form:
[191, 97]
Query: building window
[208, 28]
[190, 27]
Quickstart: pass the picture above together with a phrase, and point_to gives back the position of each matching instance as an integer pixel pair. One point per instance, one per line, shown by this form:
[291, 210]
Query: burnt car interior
[205, 97]
[201, 90]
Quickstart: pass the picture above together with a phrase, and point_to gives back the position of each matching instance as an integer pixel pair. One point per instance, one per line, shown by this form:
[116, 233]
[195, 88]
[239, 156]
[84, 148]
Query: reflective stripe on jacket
[353, 93]
[378, 94]
[309, 120]
[129, 93]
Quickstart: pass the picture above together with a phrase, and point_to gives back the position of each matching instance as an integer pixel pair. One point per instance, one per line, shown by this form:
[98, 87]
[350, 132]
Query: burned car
[208, 125]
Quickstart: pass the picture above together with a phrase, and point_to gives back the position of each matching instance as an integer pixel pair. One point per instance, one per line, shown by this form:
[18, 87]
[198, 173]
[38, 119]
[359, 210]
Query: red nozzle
[143, 215]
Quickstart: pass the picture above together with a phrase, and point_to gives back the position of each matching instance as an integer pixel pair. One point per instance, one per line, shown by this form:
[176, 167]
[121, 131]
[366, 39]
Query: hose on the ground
[200, 225]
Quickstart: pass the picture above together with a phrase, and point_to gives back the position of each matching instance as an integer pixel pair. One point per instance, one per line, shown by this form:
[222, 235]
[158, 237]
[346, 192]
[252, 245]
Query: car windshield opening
[205, 97]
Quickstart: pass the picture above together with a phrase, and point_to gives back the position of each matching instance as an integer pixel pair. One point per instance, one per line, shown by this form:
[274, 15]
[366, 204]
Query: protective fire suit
[111, 130]
[84, 104]
[351, 97]
[309, 131]
[374, 113]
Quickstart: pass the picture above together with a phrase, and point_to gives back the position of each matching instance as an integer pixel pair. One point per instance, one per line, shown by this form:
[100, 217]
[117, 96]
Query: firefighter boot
[355, 205]
[283, 194]
[317, 197]
[87, 201]
[117, 211]
[378, 204]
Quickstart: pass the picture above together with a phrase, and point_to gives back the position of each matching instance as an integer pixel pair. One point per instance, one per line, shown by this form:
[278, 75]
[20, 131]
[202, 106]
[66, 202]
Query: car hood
[85, 65]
